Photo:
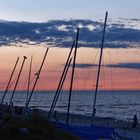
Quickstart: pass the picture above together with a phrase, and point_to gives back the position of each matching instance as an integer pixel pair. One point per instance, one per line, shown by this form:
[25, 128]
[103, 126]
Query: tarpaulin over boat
[87, 132]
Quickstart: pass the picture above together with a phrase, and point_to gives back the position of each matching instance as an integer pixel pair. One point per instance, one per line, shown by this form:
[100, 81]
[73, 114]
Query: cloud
[61, 33]
[84, 65]
[125, 65]
[119, 65]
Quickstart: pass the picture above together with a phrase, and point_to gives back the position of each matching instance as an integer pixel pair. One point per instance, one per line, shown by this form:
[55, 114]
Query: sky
[43, 10]
[112, 78]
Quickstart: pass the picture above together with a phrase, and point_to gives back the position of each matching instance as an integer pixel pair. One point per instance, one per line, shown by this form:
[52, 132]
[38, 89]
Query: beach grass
[38, 128]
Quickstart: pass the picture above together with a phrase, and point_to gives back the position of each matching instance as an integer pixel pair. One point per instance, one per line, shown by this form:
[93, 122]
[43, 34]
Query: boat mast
[7, 87]
[29, 79]
[58, 92]
[71, 84]
[99, 67]
[61, 81]
[37, 77]
[24, 58]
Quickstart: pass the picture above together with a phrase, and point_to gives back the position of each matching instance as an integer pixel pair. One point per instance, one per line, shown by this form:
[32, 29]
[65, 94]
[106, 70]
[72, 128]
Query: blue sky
[43, 10]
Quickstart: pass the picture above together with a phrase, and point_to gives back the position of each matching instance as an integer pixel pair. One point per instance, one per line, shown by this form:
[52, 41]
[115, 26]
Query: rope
[111, 75]
[104, 74]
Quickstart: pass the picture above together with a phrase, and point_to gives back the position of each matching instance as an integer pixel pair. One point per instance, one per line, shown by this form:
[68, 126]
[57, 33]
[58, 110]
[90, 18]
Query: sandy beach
[123, 128]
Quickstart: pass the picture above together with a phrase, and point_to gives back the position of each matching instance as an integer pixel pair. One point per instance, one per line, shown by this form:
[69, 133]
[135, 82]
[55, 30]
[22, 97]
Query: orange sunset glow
[112, 78]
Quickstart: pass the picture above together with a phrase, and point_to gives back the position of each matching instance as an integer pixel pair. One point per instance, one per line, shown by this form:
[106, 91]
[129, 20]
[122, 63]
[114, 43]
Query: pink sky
[85, 78]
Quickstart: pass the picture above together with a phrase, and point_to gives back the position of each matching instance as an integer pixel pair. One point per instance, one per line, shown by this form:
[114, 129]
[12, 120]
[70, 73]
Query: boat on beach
[93, 130]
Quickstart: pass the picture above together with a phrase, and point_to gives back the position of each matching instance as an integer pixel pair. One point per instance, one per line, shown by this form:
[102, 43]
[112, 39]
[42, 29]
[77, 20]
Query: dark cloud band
[61, 33]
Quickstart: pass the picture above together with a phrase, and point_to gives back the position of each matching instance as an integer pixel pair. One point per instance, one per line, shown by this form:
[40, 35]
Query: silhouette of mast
[24, 58]
[29, 79]
[99, 67]
[8, 84]
[62, 79]
[62, 83]
[71, 84]
[37, 77]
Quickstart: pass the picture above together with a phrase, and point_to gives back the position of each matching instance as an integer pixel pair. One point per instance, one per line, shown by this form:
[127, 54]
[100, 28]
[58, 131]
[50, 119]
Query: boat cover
[90, 133]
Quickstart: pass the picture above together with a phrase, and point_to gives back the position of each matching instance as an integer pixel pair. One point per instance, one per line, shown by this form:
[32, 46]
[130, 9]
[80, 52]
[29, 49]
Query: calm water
[118, 104]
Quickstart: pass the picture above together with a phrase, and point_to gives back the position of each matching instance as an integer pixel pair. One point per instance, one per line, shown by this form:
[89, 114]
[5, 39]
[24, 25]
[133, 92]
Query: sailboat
[29, 96]
[19, 74]
[9, 108]
[87, 132]
[8, 84]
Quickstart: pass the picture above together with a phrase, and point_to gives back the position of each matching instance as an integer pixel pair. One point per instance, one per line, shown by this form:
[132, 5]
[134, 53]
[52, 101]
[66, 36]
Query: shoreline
[123, 128]
[78, 119]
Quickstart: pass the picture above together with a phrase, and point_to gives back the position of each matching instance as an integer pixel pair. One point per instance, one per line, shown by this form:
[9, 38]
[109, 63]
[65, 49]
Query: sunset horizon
[115, 74]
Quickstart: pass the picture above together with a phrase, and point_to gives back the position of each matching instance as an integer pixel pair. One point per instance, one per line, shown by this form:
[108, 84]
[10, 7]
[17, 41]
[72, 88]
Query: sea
[122, 105]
